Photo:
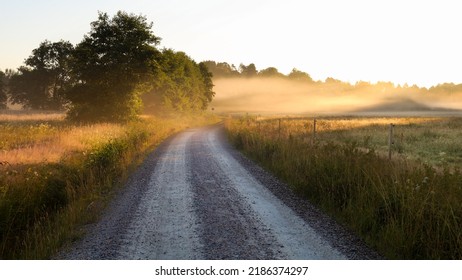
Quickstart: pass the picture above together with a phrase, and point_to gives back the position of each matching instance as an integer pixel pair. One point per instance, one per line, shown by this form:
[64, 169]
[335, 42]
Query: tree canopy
[248, 71]
[41, 84]
[270, 72]
[112, 66]
[298, 75]
[105, 76]
[182, 85]
[3, 96]
[221, 69]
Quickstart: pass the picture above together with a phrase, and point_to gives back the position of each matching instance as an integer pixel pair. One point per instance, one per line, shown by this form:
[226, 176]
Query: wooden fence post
[390, 140]
[279, 129]
[314, 130]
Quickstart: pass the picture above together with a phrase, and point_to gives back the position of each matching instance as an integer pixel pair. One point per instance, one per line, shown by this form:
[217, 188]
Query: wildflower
[425, 180]
[417, 187]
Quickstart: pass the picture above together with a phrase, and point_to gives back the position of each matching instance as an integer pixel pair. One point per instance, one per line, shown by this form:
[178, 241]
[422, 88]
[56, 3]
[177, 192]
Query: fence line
[312, 127]
[390, 140]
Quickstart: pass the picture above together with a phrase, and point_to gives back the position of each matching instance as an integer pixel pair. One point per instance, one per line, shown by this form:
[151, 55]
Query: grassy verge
[56, 177]
[404, 208]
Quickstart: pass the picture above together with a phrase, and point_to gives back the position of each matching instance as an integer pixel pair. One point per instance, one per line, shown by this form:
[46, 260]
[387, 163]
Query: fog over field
[283, 96]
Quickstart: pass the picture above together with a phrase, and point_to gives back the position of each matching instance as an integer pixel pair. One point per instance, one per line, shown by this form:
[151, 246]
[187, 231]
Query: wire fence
[406, 137]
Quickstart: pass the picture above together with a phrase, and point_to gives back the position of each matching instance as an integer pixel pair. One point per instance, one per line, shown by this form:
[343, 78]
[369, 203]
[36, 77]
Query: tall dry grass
[45, 143]
[404, 208]
[31, 116]
[57, 176]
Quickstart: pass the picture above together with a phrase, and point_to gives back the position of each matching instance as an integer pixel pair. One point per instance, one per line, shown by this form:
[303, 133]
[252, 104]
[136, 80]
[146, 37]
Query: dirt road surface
[196, 197]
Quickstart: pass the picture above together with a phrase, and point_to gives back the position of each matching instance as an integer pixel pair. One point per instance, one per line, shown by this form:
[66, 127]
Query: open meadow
[406, 207]
[56, 176]
[431, 140]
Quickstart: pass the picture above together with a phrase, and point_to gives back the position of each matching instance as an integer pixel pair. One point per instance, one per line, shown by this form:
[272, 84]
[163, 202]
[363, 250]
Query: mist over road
[196, 197]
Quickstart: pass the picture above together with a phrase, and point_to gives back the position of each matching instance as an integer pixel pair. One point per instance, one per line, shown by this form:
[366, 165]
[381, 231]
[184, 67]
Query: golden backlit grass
[45, 143]
[56, 176]
[31, 116]
[406, 208]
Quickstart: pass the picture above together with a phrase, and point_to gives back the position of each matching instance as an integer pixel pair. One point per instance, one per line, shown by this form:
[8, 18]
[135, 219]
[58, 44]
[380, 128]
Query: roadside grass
[56, 176]
[406, 208]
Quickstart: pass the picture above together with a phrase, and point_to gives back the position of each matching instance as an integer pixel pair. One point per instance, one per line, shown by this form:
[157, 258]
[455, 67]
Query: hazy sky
[391, 40]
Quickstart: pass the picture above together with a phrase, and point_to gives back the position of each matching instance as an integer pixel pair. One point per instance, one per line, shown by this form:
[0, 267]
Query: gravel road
[196, 197]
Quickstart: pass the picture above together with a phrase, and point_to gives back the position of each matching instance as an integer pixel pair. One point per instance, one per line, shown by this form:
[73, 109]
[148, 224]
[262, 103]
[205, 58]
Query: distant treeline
[111, 75]
[225, 70]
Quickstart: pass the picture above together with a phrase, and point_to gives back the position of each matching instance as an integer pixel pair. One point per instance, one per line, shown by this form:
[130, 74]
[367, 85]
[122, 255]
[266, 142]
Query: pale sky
[402, 41]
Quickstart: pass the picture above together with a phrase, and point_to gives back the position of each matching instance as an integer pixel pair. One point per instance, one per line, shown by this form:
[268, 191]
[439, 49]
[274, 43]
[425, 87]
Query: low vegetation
[56, 176]
[405, 208]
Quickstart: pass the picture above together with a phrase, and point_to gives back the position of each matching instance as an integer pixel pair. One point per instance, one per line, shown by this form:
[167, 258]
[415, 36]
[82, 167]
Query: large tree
[3, 96]
[248, 71]
[113, 65]
[42, 82]
[182, 85]
[221, 69]
[208, 84]
[301, 76]
[270, 72]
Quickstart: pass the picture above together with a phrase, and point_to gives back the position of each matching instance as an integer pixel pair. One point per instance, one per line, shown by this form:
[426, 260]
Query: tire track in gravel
[164, 226]
[152, 217]
[229, 227]
[194, 199]
[243, 219]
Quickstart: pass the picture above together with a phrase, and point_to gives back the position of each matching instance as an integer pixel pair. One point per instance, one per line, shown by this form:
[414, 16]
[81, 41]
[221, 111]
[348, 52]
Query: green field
[432, 140]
